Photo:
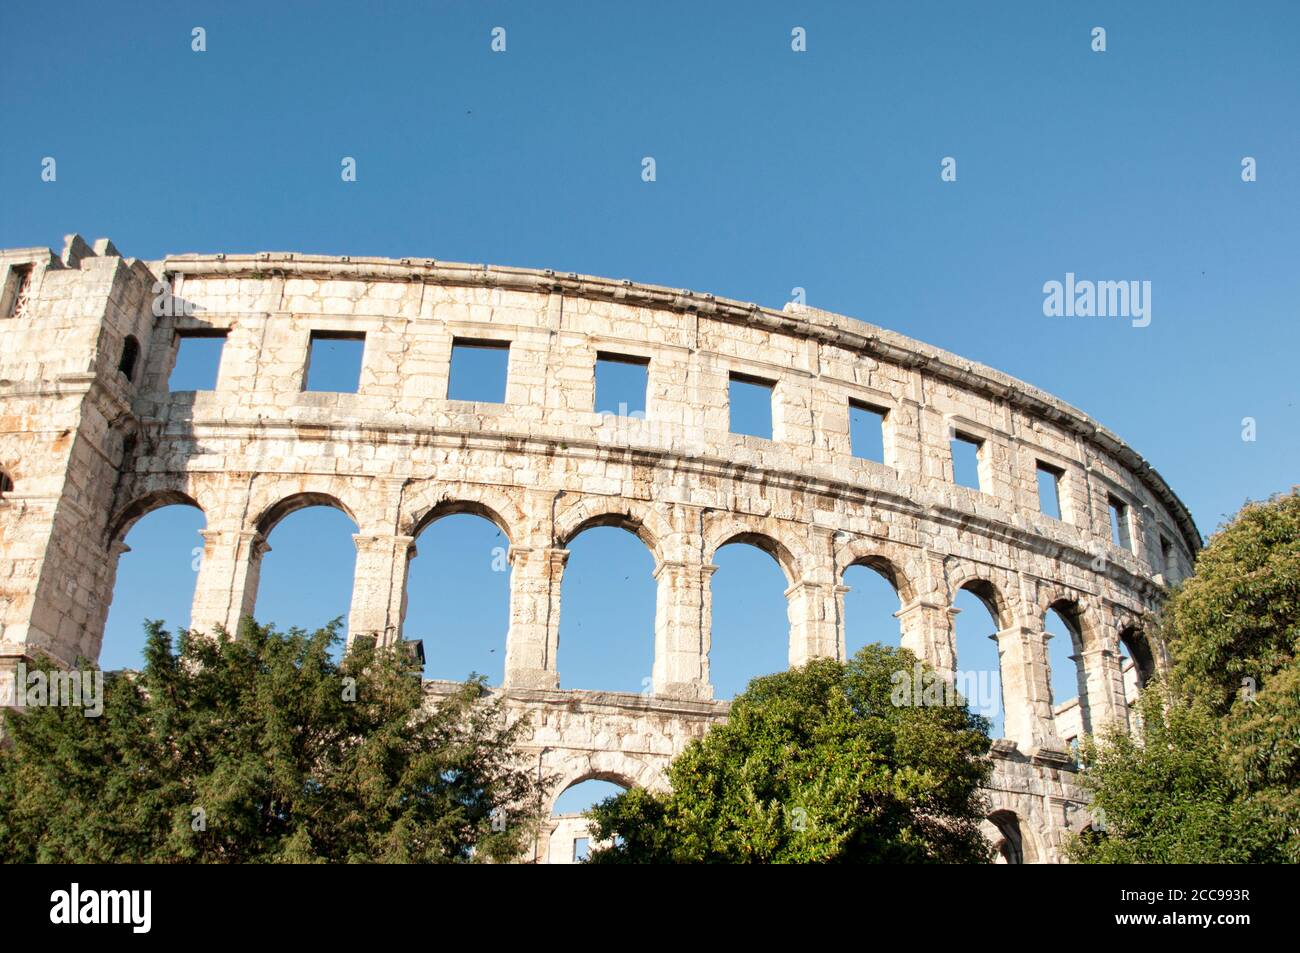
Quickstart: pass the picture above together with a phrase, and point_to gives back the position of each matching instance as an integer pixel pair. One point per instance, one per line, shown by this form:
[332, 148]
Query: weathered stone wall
[90, 451]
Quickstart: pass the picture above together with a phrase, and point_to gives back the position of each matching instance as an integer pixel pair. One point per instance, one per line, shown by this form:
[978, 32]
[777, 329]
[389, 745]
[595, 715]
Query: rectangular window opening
[334, 361]
[621, 383]
[749, 406]
[198, 361]
[1119, 532]
[966, 452]
[867, 431]
[17, 291]
[478, 370]
[1049, 490]
[581, 849]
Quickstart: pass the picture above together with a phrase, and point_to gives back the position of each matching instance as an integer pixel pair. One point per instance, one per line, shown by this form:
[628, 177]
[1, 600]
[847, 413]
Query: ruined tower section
[73, 329]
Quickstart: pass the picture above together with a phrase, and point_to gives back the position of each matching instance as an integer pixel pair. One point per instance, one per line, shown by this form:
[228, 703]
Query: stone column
[229, 568]
[379, 587]
[926, 627]
[1103, 686]
[683, 611]
[841, 634]
[814, 630]
[534, 638]
[1026, 695]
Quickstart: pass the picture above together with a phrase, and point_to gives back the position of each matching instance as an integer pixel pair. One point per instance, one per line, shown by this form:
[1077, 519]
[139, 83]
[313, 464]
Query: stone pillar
[229, 568]
[379, 587]
[683, 611]
[1026, 695]
[534, 638]
[841, 634]
[927, 631]
[814, 629]
[1104, 692]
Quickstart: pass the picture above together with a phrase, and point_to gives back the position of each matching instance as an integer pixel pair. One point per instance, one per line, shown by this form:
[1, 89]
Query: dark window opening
[966, 452]
[1049, 490]
[867, 431]
[6, 484]
[478, 371]
[1134, 644]
[334, 361]
[18, 292]
[198, 361]
[130, 355]
[621, 384]
[1119, 530]
[750, 406]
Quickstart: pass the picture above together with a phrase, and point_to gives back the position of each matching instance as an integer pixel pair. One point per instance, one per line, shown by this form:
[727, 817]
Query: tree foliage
[1212, 773]
[1167, 795]
[816, 765]
[263, 749]
[1238, 617]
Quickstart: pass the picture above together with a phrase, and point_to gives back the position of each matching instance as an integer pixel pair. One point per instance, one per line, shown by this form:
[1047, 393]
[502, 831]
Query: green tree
[1212, 773]
[1167, 794]
[1236, 622]
[816, 765]
[263, 749]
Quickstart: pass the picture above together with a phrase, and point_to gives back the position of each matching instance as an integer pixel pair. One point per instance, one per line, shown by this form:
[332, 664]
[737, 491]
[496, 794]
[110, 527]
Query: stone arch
[765, 534]
[277, 511]
[1133, 637]
[1077, 614]
[613, 777]
[612, 561]
[431, 503]
[636, 517]
[617, 767]
[988, 592]
[130, 514]
[893, 565]
[562, 832]
[982, 665]
[1010, 838]
[104, 580]
[453, 582]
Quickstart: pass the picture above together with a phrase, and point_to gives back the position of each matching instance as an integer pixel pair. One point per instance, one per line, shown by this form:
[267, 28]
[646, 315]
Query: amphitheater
[91, 440]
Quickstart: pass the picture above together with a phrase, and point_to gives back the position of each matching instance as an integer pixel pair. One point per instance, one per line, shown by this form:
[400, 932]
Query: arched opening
[130, 357]
[1063, 628]
[750, 633]
[607, 611]
[581, 796]
[458, 596]
[1134, 647]
[871, 606]
[1128, 674]
[979, 663]
[155, 578]
[306, 574]
[1007, 838]
[6, 484]
[570, 841]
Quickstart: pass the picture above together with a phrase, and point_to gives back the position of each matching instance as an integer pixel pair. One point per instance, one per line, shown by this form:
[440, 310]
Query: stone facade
[91, 440]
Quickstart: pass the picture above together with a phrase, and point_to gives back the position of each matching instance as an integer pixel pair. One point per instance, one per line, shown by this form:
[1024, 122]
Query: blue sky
[775, 169]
